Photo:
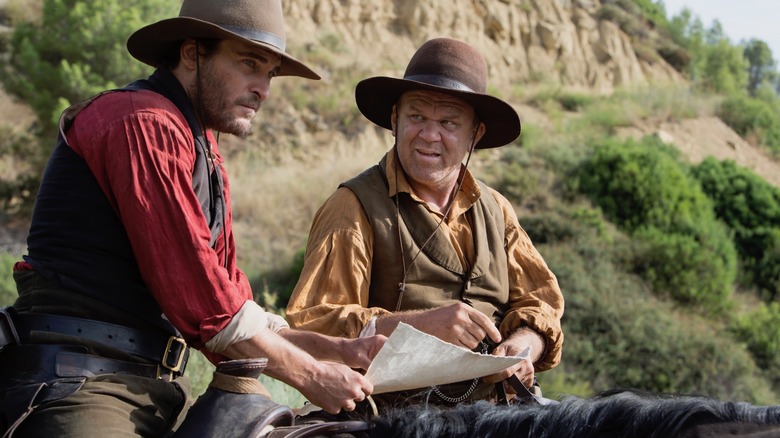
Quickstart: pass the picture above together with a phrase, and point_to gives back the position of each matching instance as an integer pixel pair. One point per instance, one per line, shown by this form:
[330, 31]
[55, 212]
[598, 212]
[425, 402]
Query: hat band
[257, 35]
[440, 81]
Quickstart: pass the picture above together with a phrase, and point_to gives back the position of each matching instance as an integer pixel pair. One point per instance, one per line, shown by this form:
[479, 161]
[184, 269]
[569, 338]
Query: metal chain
[469, 391]
[465, 395]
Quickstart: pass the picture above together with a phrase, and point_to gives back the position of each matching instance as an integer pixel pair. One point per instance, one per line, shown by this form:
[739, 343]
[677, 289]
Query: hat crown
[448, 63]
[260, 20]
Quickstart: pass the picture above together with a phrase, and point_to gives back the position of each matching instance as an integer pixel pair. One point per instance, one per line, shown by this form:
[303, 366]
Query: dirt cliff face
[560, 41]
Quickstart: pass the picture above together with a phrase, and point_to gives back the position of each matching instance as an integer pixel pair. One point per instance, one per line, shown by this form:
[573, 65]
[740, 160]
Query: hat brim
[376, 96]
[151, 43]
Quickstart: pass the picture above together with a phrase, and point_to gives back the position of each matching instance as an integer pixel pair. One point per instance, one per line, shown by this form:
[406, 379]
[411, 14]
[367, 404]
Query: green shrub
[574, 101]
[562, 226]
[642, 187]
[653, 12]
[760, 330]
[515, 176]
[680, 266]
[750, 206]
[619, 335]
[752, 117]
[676, 56]
[638, 184]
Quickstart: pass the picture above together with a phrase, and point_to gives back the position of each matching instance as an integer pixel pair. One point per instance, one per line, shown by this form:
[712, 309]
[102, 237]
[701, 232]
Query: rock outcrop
[556, 41]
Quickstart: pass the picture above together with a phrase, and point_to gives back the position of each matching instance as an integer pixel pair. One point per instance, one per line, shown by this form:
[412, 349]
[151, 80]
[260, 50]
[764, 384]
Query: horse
[611, 414]
[234, 405]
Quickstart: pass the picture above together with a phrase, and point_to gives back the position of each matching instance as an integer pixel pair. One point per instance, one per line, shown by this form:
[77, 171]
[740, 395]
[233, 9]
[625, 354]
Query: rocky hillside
[560, 41]
[551, 42]
[525, 43]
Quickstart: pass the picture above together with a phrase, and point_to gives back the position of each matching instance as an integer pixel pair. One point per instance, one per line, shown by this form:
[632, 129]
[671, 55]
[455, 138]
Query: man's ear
[188, 54]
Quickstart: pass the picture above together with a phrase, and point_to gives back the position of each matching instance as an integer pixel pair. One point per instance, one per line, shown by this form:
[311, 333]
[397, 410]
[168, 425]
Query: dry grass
[274, 203]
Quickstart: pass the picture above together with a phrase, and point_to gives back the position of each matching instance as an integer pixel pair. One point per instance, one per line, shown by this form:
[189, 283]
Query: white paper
[413, 359]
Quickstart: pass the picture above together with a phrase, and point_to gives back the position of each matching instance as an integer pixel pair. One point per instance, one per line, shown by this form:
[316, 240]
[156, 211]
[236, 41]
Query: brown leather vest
[437, 277]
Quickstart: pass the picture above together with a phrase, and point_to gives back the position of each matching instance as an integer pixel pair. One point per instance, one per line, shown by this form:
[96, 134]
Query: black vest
[77, 238]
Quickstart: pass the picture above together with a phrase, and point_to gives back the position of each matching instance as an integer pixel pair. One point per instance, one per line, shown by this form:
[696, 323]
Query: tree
[724, 68]
[77, 50]
[74, 51]
[761, 67]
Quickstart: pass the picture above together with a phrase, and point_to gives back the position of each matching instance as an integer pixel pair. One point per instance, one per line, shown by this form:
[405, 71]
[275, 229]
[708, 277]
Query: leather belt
[45, 362]
[171, 352]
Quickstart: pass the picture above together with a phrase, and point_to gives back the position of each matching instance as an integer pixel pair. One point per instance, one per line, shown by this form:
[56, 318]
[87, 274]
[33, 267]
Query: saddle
[236, 404]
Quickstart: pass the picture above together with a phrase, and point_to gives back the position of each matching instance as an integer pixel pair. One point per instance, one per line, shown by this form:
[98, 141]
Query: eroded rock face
[559, 41]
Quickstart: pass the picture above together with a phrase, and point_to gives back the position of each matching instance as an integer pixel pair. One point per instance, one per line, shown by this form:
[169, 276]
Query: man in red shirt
[131, 253]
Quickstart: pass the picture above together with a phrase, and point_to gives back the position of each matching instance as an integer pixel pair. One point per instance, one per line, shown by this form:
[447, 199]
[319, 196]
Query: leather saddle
[237, 405]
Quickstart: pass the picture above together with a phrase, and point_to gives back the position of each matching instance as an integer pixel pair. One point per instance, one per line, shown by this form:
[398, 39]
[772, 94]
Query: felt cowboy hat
[259, 22]
[448, 66]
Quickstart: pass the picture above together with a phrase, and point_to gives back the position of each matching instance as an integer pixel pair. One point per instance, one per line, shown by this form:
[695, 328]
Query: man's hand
[514, 346]
[459, 324]
[335, 386]
[358, 353]
[329, 385]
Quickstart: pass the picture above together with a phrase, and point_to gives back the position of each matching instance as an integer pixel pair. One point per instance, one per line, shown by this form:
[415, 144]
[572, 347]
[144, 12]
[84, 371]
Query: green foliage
[753, 118]
[682, 267]
[515, 177]
[751, 208]
[8, 292]
[676, 56]
[623, 179]
[761, 64]
[723, 68]
[653, 12]
[17, 189]
[76, 51]
[643, 187]
[760, 330]
[619, 335]
[566, 100]
[716, 65]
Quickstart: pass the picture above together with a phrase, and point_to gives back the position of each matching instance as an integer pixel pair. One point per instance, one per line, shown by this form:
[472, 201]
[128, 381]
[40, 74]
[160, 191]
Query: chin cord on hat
[198, 105]
[402, 283]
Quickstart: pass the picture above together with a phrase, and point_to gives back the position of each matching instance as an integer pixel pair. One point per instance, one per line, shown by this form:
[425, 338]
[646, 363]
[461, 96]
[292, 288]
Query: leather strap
[171, 352]
[523, 394]
[320, 429]
[44, 362]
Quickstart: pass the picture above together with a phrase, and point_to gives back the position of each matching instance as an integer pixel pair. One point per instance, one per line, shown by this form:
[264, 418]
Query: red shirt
[140, 149]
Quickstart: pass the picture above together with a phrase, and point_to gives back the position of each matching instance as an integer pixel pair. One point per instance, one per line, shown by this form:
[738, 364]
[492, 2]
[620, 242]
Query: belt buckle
[178, 347]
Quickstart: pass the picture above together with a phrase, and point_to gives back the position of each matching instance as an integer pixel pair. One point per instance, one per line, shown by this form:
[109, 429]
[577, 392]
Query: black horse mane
[617, 413]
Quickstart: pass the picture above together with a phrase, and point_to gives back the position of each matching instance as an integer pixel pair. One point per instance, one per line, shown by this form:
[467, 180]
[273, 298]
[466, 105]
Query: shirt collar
[468, 195]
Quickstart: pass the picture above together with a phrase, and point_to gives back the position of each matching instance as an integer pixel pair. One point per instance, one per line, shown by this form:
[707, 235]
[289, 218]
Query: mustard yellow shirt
[331, 295]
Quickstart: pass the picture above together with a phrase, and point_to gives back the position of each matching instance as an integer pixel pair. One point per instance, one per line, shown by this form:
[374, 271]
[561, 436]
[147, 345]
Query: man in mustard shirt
[417, 239]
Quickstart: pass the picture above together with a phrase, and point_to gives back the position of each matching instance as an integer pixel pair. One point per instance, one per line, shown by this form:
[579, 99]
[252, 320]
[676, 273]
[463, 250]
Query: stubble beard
[210, 99]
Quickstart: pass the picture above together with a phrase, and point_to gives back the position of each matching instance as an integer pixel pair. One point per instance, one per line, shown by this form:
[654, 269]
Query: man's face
[434, 133]
[234, 81]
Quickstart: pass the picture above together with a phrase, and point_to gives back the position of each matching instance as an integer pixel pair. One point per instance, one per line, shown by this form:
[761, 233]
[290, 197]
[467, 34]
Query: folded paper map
[413, 359]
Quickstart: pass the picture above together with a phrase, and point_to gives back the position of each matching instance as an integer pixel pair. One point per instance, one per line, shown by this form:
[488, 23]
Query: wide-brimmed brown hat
[258, 22]
[448, 66]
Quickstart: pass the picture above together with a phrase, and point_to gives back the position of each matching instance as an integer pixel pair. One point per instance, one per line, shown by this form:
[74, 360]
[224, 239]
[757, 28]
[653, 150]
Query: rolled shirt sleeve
[535, 298]
[250, 321]
[331, 295]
